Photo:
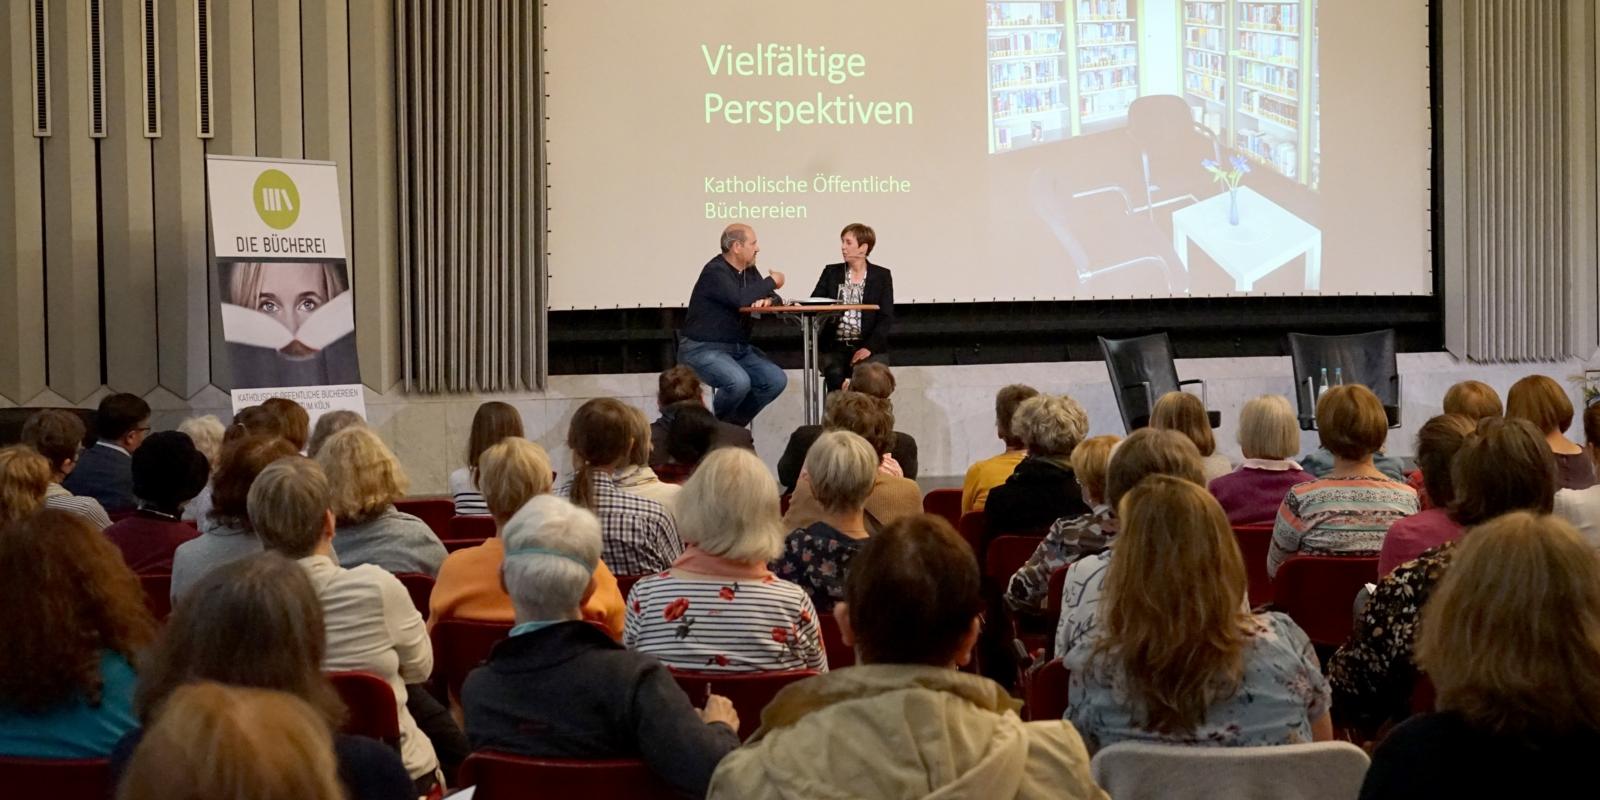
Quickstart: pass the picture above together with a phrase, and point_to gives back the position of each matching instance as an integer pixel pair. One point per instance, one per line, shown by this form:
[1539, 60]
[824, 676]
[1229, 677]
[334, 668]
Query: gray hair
[1268, 428]
[1050, 425]
[206, 432]
[288, 505]
[732, 235]
[329, 424]
[552, 549]
[843, 468]
[729, 507]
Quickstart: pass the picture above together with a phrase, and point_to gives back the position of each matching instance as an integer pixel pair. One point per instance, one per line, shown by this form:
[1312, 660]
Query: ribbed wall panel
[22, 359]
[374, 207]
[182, 299]
[470, 177]
[279, 123]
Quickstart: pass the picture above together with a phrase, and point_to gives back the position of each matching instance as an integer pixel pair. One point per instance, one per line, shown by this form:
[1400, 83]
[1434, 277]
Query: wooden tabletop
[801, 309]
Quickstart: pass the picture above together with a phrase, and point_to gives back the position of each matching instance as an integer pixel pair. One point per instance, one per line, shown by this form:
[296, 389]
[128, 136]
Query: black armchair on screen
[1141, 372]
[1364, 358]
[1171, 146]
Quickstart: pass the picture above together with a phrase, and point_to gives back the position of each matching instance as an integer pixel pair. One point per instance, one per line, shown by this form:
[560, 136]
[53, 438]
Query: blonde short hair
[1473, 400]
[1511, 636]
[288, 504]
[843, 468]
[24, 478]
[206, 432]
[1050, 425]
[1351, 421]
[236, 743]
[1268, 428]
[365, 476]
[1184, 413]
[1541, 401]
[510, 473]
[1091, 461]
[729, 507]
[639, 454]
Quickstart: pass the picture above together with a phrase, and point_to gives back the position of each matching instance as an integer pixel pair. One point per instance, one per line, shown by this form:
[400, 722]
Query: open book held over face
[328, 324]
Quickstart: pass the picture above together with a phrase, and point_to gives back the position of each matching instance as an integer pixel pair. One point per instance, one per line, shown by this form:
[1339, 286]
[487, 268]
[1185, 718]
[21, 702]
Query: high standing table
[810, 318]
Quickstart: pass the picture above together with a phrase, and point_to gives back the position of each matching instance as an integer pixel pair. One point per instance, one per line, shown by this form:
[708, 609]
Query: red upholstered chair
[944, 503]
[476, 527]
[499, 776]
[459, 646]
[625, 583]
[1319, 593]
[420, 587]
[157, 595]
[452, 545]
[973, 527]
[1254, 541]
[1045, 695]
[749, 691]
[840, 655]
[371, 706]
[673, 473]
[57, 779]
[784, 501]
[436, 511]
[1004, 556]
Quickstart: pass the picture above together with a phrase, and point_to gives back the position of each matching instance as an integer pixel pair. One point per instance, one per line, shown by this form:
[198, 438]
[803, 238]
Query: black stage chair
[1364, 358]
[1141, 372]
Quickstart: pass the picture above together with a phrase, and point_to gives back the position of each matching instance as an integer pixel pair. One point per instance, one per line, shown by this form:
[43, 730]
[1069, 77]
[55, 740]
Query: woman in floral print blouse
[841, 468]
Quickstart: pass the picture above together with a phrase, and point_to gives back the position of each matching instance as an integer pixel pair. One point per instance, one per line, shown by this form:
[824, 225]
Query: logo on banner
[277, 200]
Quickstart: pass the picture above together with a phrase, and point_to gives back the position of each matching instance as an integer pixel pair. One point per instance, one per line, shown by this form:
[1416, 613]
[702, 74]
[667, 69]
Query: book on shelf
[1017, 14]
[1106, 9]
[1202, 13]
[1277, 17]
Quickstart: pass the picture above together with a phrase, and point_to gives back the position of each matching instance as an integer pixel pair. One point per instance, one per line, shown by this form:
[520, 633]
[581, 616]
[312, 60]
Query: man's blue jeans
[743, 380]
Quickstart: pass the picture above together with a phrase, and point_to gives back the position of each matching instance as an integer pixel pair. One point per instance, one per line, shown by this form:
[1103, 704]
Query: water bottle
[1338, 376]
[1322, 388]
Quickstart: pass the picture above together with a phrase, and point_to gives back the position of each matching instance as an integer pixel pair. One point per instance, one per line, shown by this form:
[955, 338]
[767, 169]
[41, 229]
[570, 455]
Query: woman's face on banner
[291, 292]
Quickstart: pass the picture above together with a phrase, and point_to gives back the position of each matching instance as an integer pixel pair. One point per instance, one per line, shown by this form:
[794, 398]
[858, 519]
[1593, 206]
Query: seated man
[994, 470]
[559, 687]
[869, 378]
[678, 388]
[105, 471]
[715, 338]
[58, 436]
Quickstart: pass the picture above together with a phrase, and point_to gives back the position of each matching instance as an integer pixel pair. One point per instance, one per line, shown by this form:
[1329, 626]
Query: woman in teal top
[74, 617]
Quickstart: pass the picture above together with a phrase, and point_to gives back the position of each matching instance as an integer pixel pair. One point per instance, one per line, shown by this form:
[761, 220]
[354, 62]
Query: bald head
[739, 245]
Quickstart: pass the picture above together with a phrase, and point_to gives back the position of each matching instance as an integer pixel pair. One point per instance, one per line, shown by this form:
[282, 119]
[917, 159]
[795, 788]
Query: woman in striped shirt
[718, 608]
[493, 423]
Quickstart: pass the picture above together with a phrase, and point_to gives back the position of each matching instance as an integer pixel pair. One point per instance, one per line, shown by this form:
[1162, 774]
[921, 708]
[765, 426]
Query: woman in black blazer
[857, 336]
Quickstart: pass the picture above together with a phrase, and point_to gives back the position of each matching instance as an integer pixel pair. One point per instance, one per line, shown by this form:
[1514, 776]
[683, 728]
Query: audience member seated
[984, 475]
[637, 477]
[257, 623]
[905, 722]
[892, 496]
[1042, 489]
[874, 380]
[1474, 400]
[75, 622]
[1541, 401]
[366, 479]
[1186, 414]
[690, 436]
[226, 534]
[510, 474]
[214, 741]
[1347, 510]
[296, 421]
[1511, 642]
[1147, 452]
[1177, 657]
[206, 433]
[370, 622]
[1581, 507]
[558, 687]
[24, 478]
[250, 421]
[1074, 537]
[167, 472]
[105, 469]
[1503, 467]
[1437, 444]
[58, 436]
[1269, 436]
[719, 608]
[677, 389]
[492, 423]
[329, 424]
[840, 468]
[639, 536]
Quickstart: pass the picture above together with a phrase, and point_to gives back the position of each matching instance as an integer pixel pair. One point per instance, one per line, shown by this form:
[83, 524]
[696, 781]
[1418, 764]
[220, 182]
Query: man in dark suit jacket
[679, 388]
[857, 336]
[105, 469]
[868, 378]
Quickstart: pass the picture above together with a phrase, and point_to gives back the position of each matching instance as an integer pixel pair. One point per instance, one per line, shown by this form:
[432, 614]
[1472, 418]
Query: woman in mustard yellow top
[993, 471]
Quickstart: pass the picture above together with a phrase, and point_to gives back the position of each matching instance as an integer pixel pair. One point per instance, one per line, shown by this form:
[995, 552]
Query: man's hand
[762, 303]
[861, 355]
[720, 709]
[777, 279]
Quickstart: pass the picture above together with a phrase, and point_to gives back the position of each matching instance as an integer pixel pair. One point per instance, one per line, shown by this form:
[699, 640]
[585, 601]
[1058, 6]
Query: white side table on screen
[1266, 238]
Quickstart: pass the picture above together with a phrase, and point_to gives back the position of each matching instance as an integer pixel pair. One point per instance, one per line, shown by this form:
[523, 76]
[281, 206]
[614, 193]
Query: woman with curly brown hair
[24, 479]
[75, 619]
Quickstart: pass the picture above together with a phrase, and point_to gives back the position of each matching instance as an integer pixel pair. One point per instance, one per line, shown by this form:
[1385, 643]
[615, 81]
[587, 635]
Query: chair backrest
[1006, 554]
[452, 545]
[1364, 358]
[1052, 600]
[1311, 771]
[157, 595]
[974, 529]
[436, 511]
[57, 779]
[370, 703]
[840, 655]
[1254, 542]
[1045, 696]
[1319, 591]
[1141, 371]
[943, 503]
[500, 776]
[469, 527]
[749, 691]
[625, 583]
[420, 587]
[459, 646]
[674, 473]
